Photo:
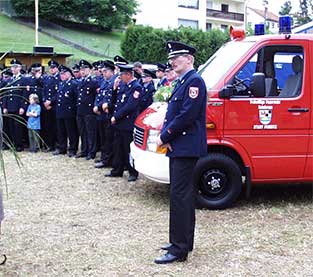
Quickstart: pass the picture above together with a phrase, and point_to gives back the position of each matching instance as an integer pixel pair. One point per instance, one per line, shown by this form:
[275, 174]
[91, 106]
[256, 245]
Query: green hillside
[19, 38]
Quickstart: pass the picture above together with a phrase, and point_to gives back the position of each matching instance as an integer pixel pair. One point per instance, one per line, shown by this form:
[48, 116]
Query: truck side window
[282, 66]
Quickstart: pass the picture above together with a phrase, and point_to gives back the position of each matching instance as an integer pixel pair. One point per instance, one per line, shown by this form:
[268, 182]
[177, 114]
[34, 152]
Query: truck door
[273, 129]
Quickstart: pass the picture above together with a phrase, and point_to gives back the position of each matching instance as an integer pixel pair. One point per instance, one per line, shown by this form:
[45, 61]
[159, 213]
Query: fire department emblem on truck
[265, 116]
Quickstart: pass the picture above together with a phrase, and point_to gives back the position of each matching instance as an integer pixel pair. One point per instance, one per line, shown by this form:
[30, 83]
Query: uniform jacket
[86, 95]
[36, 86]
[104, 95]
[147, 96]
[127, 105]
[14, 100]
[50, 89]
[162, 82]
[66, 99]
[184, 125]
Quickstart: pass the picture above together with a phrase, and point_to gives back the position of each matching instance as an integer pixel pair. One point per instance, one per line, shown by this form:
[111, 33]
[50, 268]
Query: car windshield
[228, 55]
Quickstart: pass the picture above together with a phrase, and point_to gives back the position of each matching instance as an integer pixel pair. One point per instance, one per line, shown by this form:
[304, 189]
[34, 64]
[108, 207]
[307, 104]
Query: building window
[224, 8]
[209, 5]
[208, 26]
[188, 23]
[224, 27]
[191, 4]
[273, 25]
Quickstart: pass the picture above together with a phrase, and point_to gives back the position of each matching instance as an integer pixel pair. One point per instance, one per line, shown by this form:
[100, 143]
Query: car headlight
[152, 142]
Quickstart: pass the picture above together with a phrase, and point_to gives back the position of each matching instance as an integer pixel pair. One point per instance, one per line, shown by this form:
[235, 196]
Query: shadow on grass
[278, 195]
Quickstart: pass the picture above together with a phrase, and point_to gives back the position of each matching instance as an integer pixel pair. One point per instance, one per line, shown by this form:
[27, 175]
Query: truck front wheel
[218, 181]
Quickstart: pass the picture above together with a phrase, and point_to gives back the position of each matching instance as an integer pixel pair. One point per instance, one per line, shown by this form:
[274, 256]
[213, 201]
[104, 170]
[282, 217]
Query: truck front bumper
[153, 165]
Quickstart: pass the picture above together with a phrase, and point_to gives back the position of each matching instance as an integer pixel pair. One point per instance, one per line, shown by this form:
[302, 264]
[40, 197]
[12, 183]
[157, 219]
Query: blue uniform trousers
[49, 128]
[122, 140]
[67, 129]
[87, 125]
[182, 205]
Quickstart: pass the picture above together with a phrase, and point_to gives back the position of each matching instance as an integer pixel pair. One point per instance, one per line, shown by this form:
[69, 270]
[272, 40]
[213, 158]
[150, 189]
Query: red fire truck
[259, 119]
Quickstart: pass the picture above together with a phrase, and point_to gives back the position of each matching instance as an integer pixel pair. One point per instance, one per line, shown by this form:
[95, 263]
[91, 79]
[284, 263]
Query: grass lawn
[20, 38]
[64, 218]
[106, 43]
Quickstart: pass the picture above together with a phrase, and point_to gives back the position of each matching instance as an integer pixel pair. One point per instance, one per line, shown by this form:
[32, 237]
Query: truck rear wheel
[218, 180]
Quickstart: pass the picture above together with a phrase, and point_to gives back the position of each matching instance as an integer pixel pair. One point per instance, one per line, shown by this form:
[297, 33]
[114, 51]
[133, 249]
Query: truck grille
[139, 135]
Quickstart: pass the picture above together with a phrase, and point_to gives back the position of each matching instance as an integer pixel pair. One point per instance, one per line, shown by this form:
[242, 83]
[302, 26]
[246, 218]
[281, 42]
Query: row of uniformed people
[76, 102]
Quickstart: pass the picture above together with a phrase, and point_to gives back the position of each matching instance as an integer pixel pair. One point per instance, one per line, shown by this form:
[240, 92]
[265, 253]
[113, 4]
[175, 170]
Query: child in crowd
[33, 122]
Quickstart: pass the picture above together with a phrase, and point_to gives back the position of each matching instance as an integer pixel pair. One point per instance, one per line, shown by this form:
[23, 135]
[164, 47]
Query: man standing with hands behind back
[184, 136]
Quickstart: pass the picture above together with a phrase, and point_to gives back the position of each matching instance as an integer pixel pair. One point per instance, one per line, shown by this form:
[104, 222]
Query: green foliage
[105, 13]
[285, 8]
[146, 44]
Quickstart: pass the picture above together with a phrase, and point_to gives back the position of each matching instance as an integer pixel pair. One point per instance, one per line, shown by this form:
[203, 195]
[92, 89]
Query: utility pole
[36, 21]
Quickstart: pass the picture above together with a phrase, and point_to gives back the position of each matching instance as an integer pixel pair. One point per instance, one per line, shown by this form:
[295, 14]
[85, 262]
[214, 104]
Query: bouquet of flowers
[164, 93]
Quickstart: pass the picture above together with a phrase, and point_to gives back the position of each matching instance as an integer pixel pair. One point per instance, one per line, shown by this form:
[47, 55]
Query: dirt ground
[64, 218]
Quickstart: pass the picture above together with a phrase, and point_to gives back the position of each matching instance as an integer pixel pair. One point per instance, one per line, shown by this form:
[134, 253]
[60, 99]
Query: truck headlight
[152, 142]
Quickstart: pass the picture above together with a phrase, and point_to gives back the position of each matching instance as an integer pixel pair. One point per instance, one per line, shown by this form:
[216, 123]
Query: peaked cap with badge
[176, 48]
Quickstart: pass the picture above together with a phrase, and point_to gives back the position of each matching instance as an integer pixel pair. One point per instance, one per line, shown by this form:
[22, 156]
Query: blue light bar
[285, 23]
[259, 29]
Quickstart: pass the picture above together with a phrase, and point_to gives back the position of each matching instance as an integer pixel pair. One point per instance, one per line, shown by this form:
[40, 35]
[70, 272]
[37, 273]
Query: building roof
[12, 53]
[305, 28]
[270, 16]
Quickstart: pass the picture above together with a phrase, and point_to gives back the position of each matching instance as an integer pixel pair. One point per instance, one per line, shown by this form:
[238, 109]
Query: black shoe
[80, 155]
[98, 161]
[169, 258]
[167, 247]
[90, 157]
[49, 149]
[113, 175]
[19, 149]
[132, 178]
[99, 165]
[58, 152]
[71, 154]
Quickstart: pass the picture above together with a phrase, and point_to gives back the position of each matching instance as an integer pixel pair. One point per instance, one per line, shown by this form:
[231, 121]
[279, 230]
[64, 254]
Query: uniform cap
[75, 67]
[53, 63]
[84, 64]
[120, 60]
[63, 69]
[176, 48]
[125, 68]
[161, 67]
[148, 73]
[108, 65]
[35, 66]
[15, 62]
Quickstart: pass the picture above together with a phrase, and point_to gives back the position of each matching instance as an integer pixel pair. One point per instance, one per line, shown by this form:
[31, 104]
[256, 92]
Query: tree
[303, 17]
[285, 8]
[105, 13]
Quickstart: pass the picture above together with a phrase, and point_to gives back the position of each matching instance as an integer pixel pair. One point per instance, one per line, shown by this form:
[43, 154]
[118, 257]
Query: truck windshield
[228, 55]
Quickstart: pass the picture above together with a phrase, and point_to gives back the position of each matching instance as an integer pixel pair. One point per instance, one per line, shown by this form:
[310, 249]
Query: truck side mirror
[257, 85]
[227, 92]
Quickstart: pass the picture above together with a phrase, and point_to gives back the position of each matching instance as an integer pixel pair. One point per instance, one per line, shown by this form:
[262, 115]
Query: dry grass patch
[64, 218]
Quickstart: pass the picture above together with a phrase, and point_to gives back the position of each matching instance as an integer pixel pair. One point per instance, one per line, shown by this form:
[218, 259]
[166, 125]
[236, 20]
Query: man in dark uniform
[76, 72]
[160, 73]
[13, 104]
[48, 118]
[125, 113]
[101, 108]
[184, 135]
[66, 113]
[86, 119]
[148, 89]
[6, 79]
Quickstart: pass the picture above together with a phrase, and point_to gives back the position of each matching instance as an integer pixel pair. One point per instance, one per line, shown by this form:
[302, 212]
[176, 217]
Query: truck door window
[282, 66]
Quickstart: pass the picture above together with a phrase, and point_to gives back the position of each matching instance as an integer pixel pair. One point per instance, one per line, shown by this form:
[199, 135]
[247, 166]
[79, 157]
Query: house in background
[256, 16]
[304, 29]
[198, 14]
